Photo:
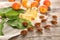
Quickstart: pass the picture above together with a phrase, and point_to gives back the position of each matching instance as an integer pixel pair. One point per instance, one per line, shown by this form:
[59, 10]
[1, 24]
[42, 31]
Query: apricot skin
[16, 6]
[24, 3]
[11, 0]
[34, 4]
[47, 3]
[37, 1]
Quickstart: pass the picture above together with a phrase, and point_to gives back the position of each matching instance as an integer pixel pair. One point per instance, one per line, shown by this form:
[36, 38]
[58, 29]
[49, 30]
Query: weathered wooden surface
[53, 34]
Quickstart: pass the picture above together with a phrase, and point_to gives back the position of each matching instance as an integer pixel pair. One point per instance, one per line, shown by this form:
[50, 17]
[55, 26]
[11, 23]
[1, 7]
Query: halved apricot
[43, 9]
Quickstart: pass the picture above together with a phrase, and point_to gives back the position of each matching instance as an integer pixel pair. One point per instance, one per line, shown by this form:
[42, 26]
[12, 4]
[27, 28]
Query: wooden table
[51, 36]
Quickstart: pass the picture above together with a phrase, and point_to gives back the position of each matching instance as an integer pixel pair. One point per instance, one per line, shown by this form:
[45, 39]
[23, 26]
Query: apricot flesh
[43, 9]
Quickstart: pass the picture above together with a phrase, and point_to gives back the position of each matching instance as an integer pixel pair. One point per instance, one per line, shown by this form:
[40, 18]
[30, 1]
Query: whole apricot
[11, 0]
[16, 6]
[37, 1]
[24, 0]
[47, 3]
[34, 4]
[46, 0]
[24, 3]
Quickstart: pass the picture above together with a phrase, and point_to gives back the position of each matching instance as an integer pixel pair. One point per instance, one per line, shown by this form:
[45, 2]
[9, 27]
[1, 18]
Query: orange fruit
[24, 3]
[11, 0]
[46, 0]
[37, 1]
[16, 6]
[24, 0]
[43, 9]
[47, 3]
[34, 4]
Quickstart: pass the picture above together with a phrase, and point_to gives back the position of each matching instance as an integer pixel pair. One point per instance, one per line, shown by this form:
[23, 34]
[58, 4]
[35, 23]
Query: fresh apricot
[24, 0]
[11, 0]
[24, 3]
[37, 1]
[43, 9]
[16, 6]
[46, 0]
[34, 4]
[47, 3]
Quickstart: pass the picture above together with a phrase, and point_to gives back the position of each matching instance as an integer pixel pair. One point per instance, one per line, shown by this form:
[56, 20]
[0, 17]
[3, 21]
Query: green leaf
[13, 23]
[18, 23]
[3, 11]
[1, 26]
[12, 14]
[1, 14]
[21, 11]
